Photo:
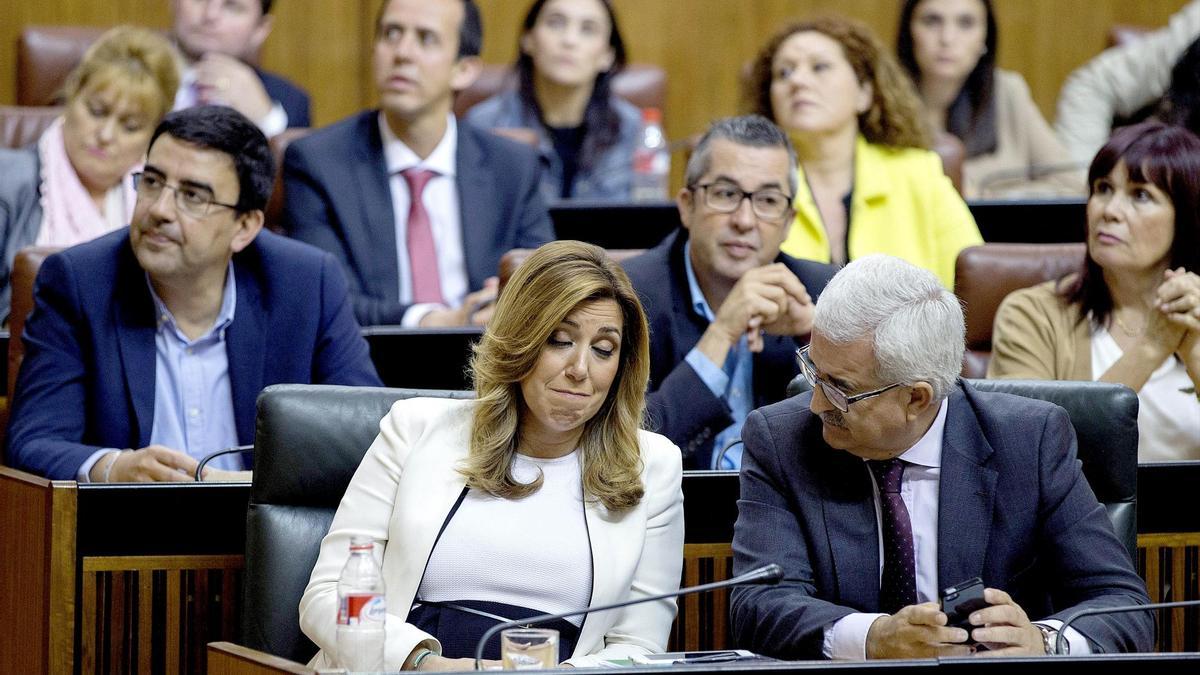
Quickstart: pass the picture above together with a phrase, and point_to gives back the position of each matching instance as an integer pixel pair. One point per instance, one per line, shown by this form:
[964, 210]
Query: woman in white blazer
[542, 495]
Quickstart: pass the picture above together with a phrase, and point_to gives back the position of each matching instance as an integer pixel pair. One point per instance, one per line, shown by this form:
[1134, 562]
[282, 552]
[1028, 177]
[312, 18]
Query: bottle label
[362, 608]
[651, 162]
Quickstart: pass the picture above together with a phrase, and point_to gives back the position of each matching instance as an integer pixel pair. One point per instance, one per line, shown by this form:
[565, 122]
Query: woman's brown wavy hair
[548, 286]
[894, 117]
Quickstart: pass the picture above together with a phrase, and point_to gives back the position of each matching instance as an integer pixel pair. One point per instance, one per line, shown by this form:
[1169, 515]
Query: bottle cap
[651, 115]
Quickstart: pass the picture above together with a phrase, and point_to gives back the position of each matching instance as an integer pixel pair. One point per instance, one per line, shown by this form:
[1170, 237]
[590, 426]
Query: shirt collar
[164, 320]
[928, 451]
[699, 304]
[398, 156]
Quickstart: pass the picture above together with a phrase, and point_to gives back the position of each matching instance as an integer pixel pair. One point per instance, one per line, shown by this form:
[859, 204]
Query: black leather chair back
[309, 440]
[1105, 419]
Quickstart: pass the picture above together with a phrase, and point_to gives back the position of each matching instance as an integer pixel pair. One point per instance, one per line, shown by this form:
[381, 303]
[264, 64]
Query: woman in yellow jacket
[868, 183]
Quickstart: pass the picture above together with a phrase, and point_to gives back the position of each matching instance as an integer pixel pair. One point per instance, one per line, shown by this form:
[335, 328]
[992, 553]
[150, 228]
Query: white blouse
[532, 552]
[1168, 411]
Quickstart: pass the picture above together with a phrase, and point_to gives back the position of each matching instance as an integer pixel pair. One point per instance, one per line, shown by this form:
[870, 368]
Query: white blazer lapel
[427, 491]
[616, 543]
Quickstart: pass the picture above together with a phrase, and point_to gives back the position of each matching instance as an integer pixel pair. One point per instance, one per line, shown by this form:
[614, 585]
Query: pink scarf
[69, 216]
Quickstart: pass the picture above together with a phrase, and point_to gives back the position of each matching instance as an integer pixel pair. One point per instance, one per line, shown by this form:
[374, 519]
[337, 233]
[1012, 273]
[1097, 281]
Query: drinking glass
[529, 648]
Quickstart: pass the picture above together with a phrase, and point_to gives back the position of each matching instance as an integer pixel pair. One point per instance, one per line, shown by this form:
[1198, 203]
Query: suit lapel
[966, 495]
[245, 347]
[427, 502]
[619, 541]
[372, 235]
[849, 511]
[133, 316]
[476, 212]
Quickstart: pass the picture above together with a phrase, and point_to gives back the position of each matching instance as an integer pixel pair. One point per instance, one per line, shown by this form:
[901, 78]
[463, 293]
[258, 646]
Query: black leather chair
[309, 439]
[1105, 419]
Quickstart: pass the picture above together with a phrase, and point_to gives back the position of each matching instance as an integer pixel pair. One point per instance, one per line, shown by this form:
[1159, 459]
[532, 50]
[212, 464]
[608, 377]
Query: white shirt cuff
[85, 469]
[413, 315]
[275, 121]
[1079, 644]
[846, 638]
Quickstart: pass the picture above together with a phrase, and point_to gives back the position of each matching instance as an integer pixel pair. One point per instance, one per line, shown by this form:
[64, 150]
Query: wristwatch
[1050, 639]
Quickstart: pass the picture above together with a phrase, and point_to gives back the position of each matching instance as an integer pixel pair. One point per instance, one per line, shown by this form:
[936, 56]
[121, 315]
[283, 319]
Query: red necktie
[422, 253]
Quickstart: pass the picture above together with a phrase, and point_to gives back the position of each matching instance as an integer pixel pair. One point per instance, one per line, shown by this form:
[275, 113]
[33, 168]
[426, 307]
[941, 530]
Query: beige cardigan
[1028, 160]
[1037, 336]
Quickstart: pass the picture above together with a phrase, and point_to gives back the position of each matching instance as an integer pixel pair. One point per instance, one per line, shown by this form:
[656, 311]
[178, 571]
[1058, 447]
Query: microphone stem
[489, 633]
[1058, 640]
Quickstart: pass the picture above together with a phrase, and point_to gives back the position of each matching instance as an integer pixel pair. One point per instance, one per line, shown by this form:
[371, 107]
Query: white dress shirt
[846, 638]
[441, 201]
[1168, 414]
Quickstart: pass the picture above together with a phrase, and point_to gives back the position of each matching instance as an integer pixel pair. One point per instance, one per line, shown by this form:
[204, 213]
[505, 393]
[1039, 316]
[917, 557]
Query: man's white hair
[916, 326]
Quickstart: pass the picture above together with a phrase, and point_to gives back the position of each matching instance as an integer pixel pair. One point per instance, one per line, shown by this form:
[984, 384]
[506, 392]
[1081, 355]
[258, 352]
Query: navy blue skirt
[459, 629]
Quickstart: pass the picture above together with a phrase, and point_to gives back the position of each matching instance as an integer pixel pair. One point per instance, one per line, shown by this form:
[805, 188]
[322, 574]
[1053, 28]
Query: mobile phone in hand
[960, 600]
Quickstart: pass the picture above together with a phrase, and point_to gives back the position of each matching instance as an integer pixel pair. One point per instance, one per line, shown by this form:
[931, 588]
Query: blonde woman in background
[76, 183]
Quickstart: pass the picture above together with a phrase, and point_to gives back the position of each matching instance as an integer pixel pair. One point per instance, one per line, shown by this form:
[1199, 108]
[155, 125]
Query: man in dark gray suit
[417, 207]
[726, 309]
[892, 480]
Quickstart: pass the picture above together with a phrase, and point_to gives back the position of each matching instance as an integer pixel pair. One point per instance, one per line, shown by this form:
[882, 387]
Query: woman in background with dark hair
[1132, 313]
[949, 49]
[570, 50]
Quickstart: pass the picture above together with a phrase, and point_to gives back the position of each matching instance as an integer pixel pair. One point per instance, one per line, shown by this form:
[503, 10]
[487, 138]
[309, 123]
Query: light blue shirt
[733, 382]
[193, 402]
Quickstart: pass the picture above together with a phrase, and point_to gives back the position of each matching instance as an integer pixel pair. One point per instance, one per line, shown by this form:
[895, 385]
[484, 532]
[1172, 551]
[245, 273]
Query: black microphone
[1093, 611]
[227, 451]
[767, 574]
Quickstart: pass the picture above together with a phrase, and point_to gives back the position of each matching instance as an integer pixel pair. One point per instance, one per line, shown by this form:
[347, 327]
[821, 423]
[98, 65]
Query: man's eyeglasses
[838, 398]
[189, 199]
[768, 203]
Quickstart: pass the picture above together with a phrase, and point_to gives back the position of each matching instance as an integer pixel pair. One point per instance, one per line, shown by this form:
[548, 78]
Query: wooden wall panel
[324, 45]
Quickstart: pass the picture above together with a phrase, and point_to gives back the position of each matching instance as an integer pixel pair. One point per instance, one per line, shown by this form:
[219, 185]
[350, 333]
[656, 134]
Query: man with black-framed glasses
[726, 309]
[893, 480]
[147, 347]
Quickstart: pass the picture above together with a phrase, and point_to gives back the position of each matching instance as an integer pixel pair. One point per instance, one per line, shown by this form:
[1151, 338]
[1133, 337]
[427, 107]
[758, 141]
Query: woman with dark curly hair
[869, 183]
[949, 49]
[542, 495]
[570, 51]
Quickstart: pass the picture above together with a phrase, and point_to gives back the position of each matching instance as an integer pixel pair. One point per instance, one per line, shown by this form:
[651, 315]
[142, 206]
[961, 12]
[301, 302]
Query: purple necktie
[898, 585]
[422, 253]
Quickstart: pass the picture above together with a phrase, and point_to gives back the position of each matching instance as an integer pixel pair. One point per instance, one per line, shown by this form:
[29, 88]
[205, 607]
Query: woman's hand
[435, 663]
[1178, 297]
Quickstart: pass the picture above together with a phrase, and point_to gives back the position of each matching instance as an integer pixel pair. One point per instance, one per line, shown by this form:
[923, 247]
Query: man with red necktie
[417, 206]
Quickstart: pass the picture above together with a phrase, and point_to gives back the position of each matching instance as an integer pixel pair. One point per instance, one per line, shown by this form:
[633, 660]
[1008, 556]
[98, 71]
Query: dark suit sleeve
[308, 216]
[786, 620]
[1089, 566]
[342, 355]
[534, 227]
[49, 413]
[685, 410]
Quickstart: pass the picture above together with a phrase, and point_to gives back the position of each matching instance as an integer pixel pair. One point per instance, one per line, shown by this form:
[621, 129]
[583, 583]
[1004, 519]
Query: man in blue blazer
[892, 480]
[348, 188]
[147, 348]
[220, 40]
[726, 309]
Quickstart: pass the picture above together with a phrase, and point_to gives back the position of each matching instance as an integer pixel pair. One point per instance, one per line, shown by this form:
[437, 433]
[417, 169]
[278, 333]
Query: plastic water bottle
[651, 160]
[362, 610]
